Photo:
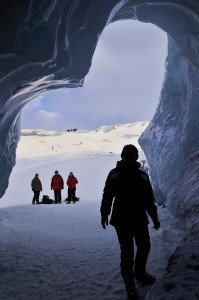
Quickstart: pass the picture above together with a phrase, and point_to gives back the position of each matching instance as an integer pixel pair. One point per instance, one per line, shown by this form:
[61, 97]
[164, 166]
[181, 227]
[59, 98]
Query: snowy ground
[61, 251]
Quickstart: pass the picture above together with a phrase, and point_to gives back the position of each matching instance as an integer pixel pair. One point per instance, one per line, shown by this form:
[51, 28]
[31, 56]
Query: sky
[122, 86]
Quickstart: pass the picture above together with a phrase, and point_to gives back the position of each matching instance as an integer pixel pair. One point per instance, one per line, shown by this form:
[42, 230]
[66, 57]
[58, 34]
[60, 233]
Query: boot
[132, 292]
[146, 278]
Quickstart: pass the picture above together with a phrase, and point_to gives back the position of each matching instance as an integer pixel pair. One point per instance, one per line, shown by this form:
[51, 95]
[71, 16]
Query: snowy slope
[41, 143]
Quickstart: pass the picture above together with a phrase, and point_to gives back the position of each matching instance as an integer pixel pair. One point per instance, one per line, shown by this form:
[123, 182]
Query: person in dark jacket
[133, 200]
[71, 183]
[36, 188]
[57, 184]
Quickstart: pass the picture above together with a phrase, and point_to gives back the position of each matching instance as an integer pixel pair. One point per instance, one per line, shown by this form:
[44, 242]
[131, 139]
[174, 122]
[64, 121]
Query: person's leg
[74, 190]
[142, 240]
[73, 194]
[34, 198]
[69, 195]
[59, 196]
[37, 197]
[55, 196]
[125, 237]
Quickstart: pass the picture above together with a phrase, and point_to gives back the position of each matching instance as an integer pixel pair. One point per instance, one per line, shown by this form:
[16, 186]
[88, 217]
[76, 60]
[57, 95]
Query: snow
[39, 132]
[105, 139]
[61, 251]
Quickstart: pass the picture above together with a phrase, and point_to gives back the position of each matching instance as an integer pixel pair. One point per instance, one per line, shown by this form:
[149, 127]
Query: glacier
[49, 44]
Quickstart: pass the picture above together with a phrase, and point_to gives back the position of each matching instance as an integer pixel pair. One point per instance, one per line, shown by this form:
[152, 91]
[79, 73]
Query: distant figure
[71, 183]
[134, 198]
[36, 188]
[57, 184]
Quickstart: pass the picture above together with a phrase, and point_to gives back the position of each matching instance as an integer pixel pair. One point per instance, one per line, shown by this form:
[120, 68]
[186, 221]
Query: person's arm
[76, 181]
[107, 199]
[32, 185]
[151, 208]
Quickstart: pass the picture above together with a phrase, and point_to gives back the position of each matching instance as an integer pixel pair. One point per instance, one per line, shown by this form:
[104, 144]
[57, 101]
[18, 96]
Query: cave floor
[61, 251]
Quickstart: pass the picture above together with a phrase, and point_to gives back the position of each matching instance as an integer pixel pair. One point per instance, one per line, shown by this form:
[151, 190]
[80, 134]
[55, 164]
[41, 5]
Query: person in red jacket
[71, 183]
[57, 184]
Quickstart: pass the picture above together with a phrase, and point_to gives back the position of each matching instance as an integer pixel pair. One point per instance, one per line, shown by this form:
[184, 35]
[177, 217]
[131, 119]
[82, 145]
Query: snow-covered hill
[105, 139]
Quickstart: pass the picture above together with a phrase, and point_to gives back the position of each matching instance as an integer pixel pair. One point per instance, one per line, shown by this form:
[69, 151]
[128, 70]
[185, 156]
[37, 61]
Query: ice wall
[180, 280]
[173, 134]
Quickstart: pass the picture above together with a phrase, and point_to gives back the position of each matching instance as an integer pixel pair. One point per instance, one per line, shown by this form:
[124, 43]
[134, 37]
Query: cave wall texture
[49, 44]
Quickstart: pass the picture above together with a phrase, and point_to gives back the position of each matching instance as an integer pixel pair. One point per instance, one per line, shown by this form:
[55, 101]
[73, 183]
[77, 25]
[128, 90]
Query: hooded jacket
[36, 185]
[71, 182]
[57, 182]
[133, 197]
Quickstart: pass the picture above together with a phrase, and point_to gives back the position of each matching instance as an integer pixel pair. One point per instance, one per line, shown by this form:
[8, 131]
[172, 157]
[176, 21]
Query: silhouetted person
[133, 199]
[57, 184]
[36, 188]
[71, 183]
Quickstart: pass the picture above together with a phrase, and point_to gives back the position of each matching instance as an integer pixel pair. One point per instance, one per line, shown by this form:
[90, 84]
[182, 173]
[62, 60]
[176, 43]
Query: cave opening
[122, 86]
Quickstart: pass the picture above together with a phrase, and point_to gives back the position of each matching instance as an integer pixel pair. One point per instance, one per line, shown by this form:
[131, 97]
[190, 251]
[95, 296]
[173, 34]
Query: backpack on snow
[46, 200]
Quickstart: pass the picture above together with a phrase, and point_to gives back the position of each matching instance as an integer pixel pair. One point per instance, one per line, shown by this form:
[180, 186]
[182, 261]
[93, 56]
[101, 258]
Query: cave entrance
[123, 86]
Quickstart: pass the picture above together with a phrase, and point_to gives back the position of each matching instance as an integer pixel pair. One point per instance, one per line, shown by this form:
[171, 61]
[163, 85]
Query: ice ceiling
[49, 44]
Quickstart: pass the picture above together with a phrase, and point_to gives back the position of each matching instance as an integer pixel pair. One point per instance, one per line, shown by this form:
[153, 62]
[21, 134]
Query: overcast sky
[123, 84]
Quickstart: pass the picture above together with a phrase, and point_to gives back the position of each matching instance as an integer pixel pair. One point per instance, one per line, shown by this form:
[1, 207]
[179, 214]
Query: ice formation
[49, 44]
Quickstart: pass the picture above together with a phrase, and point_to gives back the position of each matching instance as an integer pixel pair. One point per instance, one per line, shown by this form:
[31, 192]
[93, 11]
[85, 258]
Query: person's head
[56, 172]
[129, 153]
[71, 174]
[36, 175]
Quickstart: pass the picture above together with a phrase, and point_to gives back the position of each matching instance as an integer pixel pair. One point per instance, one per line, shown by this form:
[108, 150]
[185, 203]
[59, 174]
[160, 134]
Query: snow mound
[143, 124]
[36, 143]
[39, 132]
[128, 136]
[105, 128]
[135, 128]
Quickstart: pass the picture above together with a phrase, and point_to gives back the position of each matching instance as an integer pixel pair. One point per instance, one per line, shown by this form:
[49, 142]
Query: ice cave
[49, 44]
